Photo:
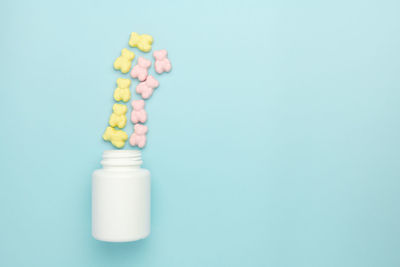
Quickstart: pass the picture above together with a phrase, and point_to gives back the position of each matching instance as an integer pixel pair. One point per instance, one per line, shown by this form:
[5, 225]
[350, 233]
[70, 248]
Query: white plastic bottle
[121, 198]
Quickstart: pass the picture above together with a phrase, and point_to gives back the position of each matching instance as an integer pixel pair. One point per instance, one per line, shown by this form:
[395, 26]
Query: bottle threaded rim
[122, 158]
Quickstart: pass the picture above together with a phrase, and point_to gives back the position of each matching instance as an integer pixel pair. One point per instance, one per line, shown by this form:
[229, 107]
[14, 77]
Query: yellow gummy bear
[124, 61]
[118, 117]
[122, 91]
[116, 137]
[143, 41]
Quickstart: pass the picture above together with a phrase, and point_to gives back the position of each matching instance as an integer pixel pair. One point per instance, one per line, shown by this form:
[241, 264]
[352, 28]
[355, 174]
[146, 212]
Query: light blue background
[273, 142]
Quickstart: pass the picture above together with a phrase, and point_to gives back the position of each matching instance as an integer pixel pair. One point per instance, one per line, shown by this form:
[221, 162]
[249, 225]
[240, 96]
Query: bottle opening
[114, 158]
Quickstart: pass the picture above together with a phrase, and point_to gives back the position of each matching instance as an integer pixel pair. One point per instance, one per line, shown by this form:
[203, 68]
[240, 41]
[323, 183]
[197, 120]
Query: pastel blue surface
[273, 142]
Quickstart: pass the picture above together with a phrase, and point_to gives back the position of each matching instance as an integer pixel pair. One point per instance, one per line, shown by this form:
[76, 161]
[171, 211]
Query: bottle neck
[122, 159]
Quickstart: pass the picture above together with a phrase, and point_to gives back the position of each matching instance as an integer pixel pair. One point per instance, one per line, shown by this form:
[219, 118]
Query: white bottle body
[121, 198]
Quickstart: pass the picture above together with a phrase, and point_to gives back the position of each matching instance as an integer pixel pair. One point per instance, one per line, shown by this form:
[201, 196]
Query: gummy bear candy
[124, 62]
[122, 91]
[116, 137]
[143, 41]
[140, 70]
[162, 63]
[138, 138]
[118, 117]
[138, 113]
[147, 87]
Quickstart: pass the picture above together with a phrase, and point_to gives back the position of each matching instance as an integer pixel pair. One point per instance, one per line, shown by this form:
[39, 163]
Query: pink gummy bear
[147, 87]
[139, 136]
[140, 69]
[138, 113]
[162, 63]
